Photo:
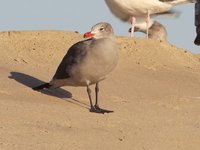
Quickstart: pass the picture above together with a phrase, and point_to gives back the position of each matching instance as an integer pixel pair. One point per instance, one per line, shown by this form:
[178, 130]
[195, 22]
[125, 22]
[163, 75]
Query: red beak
[88, 35]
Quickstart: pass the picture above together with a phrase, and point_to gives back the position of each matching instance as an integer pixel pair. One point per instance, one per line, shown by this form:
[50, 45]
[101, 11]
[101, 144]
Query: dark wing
[166, 0]
[191, 1]
[74, 55]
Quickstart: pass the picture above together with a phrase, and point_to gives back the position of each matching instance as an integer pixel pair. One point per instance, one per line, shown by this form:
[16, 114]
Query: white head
[100, 30]
[142, 26]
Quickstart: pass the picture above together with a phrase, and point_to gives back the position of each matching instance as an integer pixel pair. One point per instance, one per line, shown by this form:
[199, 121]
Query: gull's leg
[147, 23]
[96, 106]
[96, 92]
[133, 20]
[89, 95]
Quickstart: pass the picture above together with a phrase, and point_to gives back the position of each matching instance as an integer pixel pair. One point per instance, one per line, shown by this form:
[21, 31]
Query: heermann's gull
[156, 30]
[132, 9]
[88, 62]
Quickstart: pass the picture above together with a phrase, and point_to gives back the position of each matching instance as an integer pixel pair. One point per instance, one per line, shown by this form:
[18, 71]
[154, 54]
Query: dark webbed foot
[96, 109]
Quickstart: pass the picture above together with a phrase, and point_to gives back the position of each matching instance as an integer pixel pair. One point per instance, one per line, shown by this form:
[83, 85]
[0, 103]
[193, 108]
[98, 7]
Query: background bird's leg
[147, 23]
[133, 19]
[96, 92]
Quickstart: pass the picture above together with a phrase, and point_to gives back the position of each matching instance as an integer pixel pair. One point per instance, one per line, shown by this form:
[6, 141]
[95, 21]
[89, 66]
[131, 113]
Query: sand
[154, 93]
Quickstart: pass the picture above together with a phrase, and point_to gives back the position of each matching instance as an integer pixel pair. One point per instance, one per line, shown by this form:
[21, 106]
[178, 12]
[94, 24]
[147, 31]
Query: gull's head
[100, 30]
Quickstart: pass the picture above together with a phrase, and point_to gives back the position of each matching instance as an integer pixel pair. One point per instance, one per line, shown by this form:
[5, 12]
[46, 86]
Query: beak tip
[88, 35]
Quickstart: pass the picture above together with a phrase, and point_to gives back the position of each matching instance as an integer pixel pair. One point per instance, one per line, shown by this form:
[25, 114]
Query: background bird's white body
[124, 9]
[134, 9]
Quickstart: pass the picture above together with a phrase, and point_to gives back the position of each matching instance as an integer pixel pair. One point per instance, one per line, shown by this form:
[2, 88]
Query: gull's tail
[43, 86]
[177, 2]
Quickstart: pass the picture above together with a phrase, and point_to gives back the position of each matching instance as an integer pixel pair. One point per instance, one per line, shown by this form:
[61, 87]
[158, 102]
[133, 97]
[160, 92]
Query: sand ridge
[154, 92]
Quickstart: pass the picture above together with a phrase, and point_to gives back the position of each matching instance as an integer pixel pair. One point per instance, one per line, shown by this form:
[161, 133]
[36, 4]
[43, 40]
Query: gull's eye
[101, 29]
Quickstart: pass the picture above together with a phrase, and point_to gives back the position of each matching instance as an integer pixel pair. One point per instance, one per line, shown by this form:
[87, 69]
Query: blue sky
[80, 15]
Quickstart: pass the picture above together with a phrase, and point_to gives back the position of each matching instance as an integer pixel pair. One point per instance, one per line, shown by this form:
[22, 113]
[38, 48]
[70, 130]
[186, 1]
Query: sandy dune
[154, 92]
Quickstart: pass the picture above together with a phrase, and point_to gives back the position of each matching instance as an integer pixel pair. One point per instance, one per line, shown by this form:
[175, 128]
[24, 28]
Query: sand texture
[154, 93]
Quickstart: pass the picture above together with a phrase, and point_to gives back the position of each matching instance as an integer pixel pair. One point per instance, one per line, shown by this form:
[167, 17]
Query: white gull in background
[131, 9]
[156, 30]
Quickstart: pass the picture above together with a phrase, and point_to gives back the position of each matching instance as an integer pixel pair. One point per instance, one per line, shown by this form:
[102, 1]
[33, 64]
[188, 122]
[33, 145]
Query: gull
[132, 9]
[87, 62]
[157, 31]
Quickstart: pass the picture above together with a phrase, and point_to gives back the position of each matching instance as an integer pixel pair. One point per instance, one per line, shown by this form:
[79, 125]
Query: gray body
[86, 63]
[158, 32]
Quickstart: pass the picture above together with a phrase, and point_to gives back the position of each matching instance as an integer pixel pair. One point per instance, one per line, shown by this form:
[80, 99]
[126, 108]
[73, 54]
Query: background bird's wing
[73, 57]
[179, 1]
[166, 0]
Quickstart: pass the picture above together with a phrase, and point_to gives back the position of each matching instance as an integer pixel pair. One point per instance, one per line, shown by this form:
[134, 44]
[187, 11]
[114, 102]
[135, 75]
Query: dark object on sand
[197, 22]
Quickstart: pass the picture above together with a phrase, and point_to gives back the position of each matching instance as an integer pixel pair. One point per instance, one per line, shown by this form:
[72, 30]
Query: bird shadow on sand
[31, 82]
